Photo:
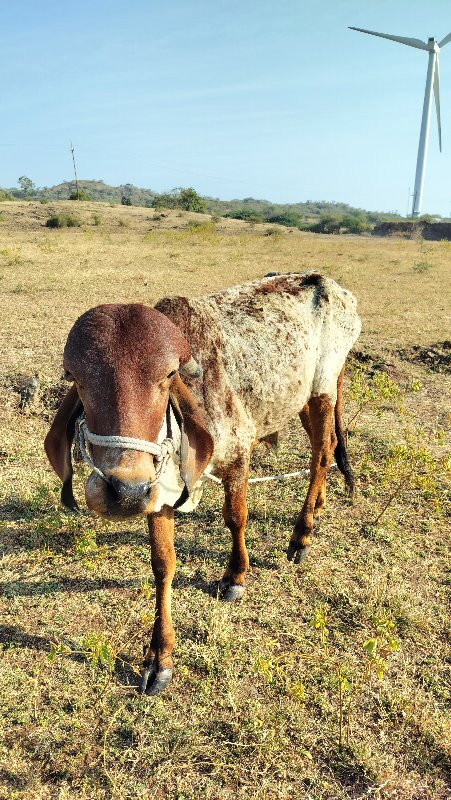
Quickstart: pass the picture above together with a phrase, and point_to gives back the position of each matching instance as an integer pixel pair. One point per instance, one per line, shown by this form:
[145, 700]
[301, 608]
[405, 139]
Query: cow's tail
[341, 456]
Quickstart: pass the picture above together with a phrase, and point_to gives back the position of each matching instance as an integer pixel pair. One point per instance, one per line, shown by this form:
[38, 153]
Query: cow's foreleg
[318, 420]
[157, 666]
[232, 584]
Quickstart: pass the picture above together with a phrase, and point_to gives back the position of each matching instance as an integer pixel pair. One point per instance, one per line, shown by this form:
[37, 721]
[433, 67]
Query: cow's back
[266, 346]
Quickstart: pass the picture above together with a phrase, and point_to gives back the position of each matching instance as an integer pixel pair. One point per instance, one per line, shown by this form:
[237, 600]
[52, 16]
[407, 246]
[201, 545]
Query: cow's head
[124, 362]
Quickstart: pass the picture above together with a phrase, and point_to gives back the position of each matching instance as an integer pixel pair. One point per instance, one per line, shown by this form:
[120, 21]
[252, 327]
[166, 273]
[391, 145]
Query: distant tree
[246, 214]
[27, 185]
[328, 223]
[126, 201]
[186, 199]
[288, 218]
[354, 223]
[82, 195]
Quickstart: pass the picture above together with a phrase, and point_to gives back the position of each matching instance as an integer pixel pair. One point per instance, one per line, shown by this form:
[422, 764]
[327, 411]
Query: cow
[193, 385]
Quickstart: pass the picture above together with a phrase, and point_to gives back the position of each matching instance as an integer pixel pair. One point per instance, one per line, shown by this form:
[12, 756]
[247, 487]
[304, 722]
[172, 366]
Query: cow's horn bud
[191, 369]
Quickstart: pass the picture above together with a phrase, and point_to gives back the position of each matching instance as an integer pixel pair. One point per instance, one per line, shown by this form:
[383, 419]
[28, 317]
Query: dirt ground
[329, 679]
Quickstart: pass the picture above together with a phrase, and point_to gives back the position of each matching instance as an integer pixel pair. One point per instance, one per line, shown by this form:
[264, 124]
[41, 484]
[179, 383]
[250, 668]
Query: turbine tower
[432, 85]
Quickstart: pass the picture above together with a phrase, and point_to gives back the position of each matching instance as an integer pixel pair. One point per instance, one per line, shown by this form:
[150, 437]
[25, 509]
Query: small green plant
[379, 647]
[410, 465]
[86, 547]
[63, 221]
[422, 266]
[98, 651]
[275, 672]
[11, 256]
[318, 622]
[96, 219]
[371, 390]
[126, 201]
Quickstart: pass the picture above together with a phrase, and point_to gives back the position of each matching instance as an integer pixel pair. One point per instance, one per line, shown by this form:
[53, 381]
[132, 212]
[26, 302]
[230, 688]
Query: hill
[248, 208]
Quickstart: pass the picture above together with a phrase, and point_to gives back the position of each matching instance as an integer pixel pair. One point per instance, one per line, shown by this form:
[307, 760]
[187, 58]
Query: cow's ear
[197, 443]
[58, 442]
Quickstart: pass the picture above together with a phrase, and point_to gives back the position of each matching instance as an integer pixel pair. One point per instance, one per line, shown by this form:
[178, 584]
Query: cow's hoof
[296, 552]
[153, 683]
[230, 592]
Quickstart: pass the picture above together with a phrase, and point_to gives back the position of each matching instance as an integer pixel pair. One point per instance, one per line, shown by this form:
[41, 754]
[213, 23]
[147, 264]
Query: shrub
[97, 220]
[63, 221]
[82, 195]
[328, 223]
[246, 214]
[334, 223]
[288, 218]
[4, 195]
[125, 201]
[184, 199]
[355, 224]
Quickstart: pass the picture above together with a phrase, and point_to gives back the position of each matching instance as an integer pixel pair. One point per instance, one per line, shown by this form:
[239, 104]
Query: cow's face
[122, 360]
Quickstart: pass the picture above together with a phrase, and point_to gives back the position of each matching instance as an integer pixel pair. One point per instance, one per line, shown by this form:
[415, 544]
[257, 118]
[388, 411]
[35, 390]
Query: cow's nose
[129, 493]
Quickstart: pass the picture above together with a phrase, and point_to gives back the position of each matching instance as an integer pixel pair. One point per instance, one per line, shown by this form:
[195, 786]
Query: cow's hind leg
[318, 419]
[232, 584]
[321, 498]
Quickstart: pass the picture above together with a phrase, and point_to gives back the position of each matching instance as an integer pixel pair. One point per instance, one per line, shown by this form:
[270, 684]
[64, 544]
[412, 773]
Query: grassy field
[328, 680]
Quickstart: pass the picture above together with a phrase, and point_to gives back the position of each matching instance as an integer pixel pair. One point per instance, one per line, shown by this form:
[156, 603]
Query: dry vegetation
[356, 635]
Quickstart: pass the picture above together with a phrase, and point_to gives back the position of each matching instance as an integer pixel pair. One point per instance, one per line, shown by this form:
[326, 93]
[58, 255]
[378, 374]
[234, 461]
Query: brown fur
[266, 349]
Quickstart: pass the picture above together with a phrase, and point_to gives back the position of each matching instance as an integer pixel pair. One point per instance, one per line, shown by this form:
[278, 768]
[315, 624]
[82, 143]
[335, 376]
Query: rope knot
[166, 450]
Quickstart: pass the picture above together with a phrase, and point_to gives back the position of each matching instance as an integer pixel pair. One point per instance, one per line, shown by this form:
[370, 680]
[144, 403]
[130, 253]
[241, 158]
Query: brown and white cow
[269, 350]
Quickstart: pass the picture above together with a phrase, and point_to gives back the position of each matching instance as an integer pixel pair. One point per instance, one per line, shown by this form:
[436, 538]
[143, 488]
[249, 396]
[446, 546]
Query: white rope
[162, 452]
[124, 442]
[281, 476]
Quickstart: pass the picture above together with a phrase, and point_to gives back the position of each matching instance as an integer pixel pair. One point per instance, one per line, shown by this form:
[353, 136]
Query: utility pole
[72, 149]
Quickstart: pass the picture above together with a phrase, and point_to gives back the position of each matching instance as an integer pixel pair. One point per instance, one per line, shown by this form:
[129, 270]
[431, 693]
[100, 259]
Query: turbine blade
[445, 40]
[402, 39]
[437, 100]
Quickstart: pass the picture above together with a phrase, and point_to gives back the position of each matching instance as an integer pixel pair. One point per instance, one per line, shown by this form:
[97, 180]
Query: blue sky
[237, 98]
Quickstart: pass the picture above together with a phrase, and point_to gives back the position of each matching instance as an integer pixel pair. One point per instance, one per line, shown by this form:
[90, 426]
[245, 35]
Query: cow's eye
[172, 373]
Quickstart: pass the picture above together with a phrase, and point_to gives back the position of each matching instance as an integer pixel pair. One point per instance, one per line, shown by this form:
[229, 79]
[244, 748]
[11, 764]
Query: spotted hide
[231, 369]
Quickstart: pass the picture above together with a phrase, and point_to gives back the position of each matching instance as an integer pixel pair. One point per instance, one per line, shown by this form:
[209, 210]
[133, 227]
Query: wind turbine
[432, 85]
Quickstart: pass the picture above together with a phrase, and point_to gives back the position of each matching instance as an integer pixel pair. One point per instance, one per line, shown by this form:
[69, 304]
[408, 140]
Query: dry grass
[253, 711]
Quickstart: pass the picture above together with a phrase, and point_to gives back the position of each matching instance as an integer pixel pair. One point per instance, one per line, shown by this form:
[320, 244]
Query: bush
[355, 224]
[328, 223]
[63, 221]
[184, 199]
[246, 214]
[288, 218]
[4, 195]
[125, 201]
[82, 195]
[334, 223]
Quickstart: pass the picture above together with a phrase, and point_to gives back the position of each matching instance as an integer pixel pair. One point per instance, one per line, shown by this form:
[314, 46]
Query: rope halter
[162, 452]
